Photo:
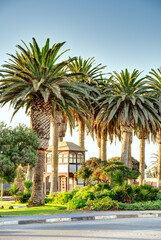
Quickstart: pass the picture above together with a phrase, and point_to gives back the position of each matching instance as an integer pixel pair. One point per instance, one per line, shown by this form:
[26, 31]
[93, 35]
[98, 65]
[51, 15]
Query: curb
[87, 218]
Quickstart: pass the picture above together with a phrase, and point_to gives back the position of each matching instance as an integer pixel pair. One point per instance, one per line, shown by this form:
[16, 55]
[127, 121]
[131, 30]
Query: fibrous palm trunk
[103, 145]
[129, 152]
[126, 130]
[30, 172]
[99, 145]
[159, 160]
[81, 133]
[40, 115]
[130, 181]
[54, 172]
[142, 137]
[62, 130]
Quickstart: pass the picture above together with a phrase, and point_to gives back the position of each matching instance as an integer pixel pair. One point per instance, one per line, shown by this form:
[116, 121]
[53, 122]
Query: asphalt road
[116, 229]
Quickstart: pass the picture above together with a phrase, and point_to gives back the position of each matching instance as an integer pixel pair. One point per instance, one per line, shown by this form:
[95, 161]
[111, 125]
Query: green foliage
[18, 146]
[63, 198]
[145, 193]
[83, 173]
[123, 193]
[149, 205]
[24, 197]
[105, 203]
[135, 165]
[28, 185]
[113, 172]
[14, 191]
[128, 102]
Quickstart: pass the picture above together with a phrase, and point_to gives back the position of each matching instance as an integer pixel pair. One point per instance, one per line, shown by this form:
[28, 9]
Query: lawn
[21, 209]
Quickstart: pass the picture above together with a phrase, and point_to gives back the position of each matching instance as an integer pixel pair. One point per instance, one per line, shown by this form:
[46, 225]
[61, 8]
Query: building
[70, 157]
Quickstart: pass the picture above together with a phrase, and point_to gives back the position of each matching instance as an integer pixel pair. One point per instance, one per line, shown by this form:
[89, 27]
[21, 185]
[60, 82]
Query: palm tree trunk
[129, 152]
[54, 171]
[126, 130]
[103, 146]
[62, 130]
[81, 134]
[159, 161]
[99, 145]
[30, 172]
[125, 148]
[142, 161]
[130, 181]
[2, 180]
[142, 136]
[40, 115]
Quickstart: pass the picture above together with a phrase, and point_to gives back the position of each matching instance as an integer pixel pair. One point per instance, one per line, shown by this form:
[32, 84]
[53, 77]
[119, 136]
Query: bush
[123, 193]
[14, 191]
[28, 185]
[80, 198]
[62, 198]
[149, 205]
[102, 204]
[48, 200]
[144, 193]
[24, 197]
[76, 203]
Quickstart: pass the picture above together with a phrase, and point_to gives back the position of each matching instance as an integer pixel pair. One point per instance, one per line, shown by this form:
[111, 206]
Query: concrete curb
[85, 218]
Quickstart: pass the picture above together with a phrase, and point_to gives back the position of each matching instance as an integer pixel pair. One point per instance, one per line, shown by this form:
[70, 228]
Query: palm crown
[35, 74]
[127, 98]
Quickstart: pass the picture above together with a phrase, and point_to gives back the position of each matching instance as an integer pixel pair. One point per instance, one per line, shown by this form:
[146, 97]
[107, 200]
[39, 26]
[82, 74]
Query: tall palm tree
[89, 73]
[155, 84]
[142, 135]
[35, 80]
[127, 101]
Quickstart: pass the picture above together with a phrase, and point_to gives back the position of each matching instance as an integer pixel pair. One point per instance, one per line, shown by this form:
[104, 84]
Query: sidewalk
[77, 217]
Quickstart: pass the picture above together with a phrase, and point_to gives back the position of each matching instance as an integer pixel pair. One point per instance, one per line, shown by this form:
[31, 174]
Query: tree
[35, 80]
[113, 172]
[128, 101]
[18, 146]
[155, 85]
[86, 72]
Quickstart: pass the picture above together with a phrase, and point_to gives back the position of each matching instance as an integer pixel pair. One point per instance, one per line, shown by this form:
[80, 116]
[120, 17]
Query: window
[48, 157]
[80, 157]
[72, 158]
[63, 157]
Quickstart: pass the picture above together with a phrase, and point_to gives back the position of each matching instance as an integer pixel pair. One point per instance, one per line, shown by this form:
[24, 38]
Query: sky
[118, 33]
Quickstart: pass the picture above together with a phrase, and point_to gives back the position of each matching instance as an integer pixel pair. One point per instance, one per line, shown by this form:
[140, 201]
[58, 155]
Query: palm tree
[153, 167]
[142, 135]
[127, 101]
[88, 73]
[33, 79]
[155, 84]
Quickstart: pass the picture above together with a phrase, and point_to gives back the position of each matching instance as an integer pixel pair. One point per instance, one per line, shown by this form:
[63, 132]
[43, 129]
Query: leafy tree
[113, 172]
[18, 146]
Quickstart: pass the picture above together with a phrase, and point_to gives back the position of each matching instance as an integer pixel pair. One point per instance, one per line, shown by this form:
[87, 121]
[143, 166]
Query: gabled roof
[68, 146]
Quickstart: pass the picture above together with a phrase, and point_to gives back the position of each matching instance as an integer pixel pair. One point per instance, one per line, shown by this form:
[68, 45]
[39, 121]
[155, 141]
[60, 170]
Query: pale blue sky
[118, 33]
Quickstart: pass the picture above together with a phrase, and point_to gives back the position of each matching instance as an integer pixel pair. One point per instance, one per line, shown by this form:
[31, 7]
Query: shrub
[149, 205]
[48, 200]
[62, 198]
[80, 198]
[28, 185]
[14, 191]
[102, 204]
[76, 203]
[24, 197]
[145, 193]
[123, 193]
